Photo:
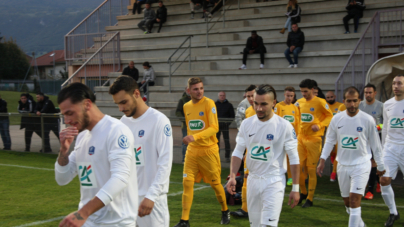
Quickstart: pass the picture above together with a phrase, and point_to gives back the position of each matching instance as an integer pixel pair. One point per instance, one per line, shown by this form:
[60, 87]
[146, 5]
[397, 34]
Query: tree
[13, 60]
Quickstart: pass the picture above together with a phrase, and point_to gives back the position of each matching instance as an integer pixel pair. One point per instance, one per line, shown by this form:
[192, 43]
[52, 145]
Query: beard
[331, 101]
[134, 108]
[369, 99]
[85, 122]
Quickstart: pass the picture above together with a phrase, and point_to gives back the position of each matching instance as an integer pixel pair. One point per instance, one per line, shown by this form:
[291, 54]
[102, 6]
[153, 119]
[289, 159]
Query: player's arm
[326, 116]
[331, 140]
[298, 121]
[213, 123]
[384, 130]
[164, 162]
[65, 166]
[374, 141]
[277, 109]
[290, 148]
[236, 159]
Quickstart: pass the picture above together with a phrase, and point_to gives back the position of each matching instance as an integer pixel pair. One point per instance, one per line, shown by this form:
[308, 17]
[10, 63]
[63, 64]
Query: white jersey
[104, 161]
[267, 144]
[393, 128]
[353, 135]
[154, 152]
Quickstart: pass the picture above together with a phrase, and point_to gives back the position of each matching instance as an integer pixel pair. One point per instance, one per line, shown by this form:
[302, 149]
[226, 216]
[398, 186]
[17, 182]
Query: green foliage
[14, 63]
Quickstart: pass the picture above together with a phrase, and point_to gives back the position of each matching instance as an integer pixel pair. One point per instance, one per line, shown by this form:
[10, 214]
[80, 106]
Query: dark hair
[351, 90]
[315, 88]
[254, 32]
[25, 95]
[40, 93]
[290, 88]
[126, 83]
[250, 88]
[76, 92]
[370, 85]
[265, 89]
[146, 63]
[307, 83]
[160, 1]
[193, 81]
[294, 24]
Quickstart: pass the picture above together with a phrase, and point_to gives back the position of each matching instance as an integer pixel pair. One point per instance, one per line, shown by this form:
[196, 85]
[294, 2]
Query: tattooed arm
[78, 218]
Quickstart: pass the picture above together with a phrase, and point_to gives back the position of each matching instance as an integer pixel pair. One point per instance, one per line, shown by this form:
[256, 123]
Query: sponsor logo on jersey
[201, 113]
[196, 125]
[397, 122]
[91, 150]
[123, 142]
[306, 117]
[349, 142]
[139, 155]
[86, 175]
[334, 114]
[260, 152]
[270, 137]
[312, 109]
[359, 129]
[167, 130]
[213, 110]
[141, 133]
[289, 118]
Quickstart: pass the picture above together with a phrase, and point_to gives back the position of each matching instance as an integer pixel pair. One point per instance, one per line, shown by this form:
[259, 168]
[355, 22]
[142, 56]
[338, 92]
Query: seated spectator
[137, 6]
[355, 11]
[5, 125]
[293, 15]
[161, 16]
[131, 71]
[195, 5]
[255, 44]
[148, 77]
[295, 45]
[31, 124]
[149, 17]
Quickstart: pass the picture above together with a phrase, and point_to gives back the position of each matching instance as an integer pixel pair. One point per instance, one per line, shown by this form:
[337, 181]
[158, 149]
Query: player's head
[370, 92]
[76, 102]
[315, 91]
[195, 88]
[289, 94]
[330, 97]
[249, 93]
[306, 88]
[264, 101]
[23, 98]
[398, 86]
[40, 96]
[351, 100]
[125, 92]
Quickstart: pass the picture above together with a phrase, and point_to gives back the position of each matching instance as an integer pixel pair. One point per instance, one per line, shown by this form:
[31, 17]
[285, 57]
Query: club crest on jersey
[213, 110]
[141, 133]
[289, 118]
[293, 111]
[359, 129]
[139, 155]
[242, 109]
[270, 137]
[91, 150]
[294, 134]
[196, 125]
[327, 107]
[201, 113]
[86, 175]
[260, 152]
[275, 109]
[349, 142]
[123, 142]
[374, 112]
[397, 122]
[312, 109]
[167, 130]
[306, 117]
[336, 109]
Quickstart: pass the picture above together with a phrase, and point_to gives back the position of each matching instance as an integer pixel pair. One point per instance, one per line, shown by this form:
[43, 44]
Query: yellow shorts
[203, 163]
[309, 149]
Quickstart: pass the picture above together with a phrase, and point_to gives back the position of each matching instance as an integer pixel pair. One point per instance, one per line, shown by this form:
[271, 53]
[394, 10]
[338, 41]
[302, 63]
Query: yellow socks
[187, 198]
[220, 195]
[302, 179]
[312, 182]
[244, 196]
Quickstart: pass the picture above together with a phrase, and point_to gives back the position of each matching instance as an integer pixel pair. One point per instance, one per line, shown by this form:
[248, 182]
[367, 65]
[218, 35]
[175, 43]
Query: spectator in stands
[355, 10]
[293, 14]
[180, 113]
[255, 44]
[295, 44]
[131, 71]
[161, 16]
[137, 6]
[26, 104]
[148, 77]
[45, 105]
[195, 5]
[224, 110]
[5, 125]
[149, 17]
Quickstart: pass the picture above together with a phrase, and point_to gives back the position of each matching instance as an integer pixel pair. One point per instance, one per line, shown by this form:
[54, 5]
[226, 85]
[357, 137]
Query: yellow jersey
[334, 107]
[313, 112]
[341, 108]
[249, 112]
[202, 123]
[289, 113]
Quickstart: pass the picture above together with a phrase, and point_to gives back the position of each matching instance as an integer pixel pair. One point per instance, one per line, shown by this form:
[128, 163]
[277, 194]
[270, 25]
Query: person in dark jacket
[45, 105]
[180, 113]
[355, 10]
[148, 18]
[195, 5]
[26, 104]
[295, 44]
[131, 71]
[137, 6]
[255, 44]
[293, 14]
[5, 125]
[161, 16]
[224, 110]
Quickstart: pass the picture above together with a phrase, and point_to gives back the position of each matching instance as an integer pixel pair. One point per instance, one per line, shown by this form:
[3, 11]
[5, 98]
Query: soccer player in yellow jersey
[289, 112]
[202, 159]
[315, 116]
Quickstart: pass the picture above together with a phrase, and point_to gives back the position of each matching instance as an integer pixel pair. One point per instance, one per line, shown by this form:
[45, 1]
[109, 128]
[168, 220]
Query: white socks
[355, 219]
[388, 197]
[347, 210]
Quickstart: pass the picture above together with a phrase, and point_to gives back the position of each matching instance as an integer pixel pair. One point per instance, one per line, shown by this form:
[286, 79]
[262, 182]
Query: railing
[383, 31]
[171, 62]
[94, 71]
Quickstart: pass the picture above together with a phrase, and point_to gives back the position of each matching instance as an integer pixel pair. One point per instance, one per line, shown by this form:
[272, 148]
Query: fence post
[43, 134]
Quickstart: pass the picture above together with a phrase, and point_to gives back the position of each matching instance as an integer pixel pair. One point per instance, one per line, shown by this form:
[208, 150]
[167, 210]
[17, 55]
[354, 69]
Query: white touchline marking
[195, 189]
[26, 167]
[41, 222]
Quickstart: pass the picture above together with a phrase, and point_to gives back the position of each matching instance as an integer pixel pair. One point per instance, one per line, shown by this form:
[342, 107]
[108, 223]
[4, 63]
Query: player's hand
[315, 128]
[146, 207]
[380, 173]
[188, 139]
[320, 167]
[75, 219]
[231, 186]
[294, 198]
[251, 51]
[66, 138]
[292, 48]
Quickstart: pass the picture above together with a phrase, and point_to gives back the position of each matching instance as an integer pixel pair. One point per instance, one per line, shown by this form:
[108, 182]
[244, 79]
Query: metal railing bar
[190, 36]
[181, 54]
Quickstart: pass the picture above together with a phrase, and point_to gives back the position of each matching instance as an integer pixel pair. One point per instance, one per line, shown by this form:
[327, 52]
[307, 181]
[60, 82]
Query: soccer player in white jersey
[153, 151]
[353, 130]
[267, 138]
[393, 145]
[102, 159]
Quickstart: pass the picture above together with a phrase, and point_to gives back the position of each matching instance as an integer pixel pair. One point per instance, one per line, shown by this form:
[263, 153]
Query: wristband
[295, 188]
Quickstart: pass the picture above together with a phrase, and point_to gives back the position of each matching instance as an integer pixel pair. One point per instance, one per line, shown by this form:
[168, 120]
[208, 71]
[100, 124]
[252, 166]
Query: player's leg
[272, 200]
[334, 164]
[254, 201]
[159, 217]
[344, 184]
[313, 146]
[303, 170]
[243, 212]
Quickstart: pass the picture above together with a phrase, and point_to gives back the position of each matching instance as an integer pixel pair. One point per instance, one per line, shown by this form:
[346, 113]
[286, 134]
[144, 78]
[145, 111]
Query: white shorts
[353, 179]
[393, 159]
[265, 199]
[159, 217]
